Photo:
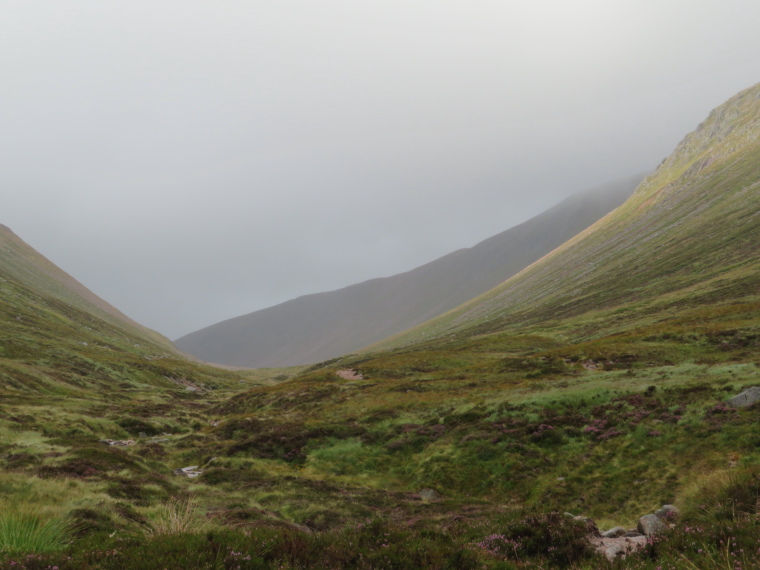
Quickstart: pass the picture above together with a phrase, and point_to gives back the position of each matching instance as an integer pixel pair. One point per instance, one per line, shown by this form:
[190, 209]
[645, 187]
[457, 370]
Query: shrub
[551, 536]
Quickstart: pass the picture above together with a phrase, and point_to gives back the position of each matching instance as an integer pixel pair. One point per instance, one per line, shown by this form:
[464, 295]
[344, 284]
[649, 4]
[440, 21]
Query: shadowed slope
[325, 325]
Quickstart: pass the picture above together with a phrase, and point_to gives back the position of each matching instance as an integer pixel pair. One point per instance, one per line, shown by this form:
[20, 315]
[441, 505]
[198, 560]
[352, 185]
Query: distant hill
[689, 236]
[321, 326]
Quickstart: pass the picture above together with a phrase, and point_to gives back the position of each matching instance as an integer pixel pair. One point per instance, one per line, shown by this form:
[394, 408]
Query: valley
[594, 381]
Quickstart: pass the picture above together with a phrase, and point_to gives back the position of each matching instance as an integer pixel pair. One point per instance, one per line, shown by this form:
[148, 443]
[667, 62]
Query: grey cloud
[191, 161]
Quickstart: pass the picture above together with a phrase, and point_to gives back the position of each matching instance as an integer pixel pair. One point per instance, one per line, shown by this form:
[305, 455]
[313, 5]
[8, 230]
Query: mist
[192, 161]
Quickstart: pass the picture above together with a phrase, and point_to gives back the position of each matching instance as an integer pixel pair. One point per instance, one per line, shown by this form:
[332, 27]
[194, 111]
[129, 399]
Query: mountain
[688, 236]
[58, 338]
[24, 265]
[317, 327]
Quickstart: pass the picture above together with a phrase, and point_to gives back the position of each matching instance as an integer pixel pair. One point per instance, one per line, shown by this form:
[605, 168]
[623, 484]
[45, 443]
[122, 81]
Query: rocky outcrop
[746, 398]
[615, 532]
[619, 542]
[611, 548]
[649, 525]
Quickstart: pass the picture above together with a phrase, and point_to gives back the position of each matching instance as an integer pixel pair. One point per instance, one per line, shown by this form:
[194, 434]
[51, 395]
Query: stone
[429, 494]
[191, 471]
[118, 442]
[571, 515]
[614, 532]
[746, 398]
[613, 551]
[649, 525]
[612, 548]
[632, 534]
[668, 513]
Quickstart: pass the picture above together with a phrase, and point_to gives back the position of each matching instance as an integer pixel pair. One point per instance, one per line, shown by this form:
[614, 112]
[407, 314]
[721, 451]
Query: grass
[32, 532]
[179, 515]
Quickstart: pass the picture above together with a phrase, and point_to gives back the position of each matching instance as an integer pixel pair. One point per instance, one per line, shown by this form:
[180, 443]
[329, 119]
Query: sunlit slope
[59, 338]
[325, 325]
[689, 236]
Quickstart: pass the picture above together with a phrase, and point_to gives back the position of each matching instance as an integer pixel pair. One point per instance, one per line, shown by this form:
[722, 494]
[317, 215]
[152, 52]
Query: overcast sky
[191, 161]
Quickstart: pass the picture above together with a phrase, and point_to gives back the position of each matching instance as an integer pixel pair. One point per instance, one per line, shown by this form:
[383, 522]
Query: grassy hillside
[687, 238]
[317, 327]
[22, 264]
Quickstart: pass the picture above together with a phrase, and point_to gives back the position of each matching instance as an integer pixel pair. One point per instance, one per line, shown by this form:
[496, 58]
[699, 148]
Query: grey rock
[429, 494]
[614, 532]
[571, 515]
[613, 551]
[746, 398]
[191, 471]
[612, 548]
[649, 525]
[668, 513]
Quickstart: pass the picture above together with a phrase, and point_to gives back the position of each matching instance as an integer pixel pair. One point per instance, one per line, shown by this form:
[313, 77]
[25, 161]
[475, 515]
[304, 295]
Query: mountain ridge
[320, 326]
[674, 217]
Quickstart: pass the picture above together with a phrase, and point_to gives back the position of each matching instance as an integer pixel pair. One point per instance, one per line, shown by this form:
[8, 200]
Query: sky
[191, 161]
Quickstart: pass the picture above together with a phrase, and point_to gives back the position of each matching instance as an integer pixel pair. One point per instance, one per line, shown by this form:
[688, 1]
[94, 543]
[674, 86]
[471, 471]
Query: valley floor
[461, 455]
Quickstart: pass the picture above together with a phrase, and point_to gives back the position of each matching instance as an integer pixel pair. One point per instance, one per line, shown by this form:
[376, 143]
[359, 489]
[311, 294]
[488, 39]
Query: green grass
[32, 532]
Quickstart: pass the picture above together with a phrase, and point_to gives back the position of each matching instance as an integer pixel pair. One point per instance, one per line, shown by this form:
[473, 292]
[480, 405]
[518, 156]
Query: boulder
[649, 525]
[614, 532]
[613, 551]
[429, 495]
[668, 513]
[746, 398]
[612, 548]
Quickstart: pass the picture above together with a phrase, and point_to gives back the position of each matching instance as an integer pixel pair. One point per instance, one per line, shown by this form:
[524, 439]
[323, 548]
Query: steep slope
[325, 325]
[59, 338]
[688, 236]
[23, 264]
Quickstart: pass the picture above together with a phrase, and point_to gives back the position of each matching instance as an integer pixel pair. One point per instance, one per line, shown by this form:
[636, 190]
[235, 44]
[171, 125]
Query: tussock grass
[32, 532]
[179, 515]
